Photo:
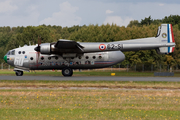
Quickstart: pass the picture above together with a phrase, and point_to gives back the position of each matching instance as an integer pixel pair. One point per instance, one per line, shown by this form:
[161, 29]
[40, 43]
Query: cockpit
[11, 52]
[6, 57]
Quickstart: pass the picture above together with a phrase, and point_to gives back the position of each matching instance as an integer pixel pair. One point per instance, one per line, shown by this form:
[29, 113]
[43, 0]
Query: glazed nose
[5, 58]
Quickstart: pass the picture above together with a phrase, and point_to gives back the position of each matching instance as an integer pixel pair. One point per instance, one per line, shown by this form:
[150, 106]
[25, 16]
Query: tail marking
[170, 37]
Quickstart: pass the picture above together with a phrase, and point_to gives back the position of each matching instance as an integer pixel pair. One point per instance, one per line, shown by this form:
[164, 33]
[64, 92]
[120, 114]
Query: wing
[164, 42]
[68, 46]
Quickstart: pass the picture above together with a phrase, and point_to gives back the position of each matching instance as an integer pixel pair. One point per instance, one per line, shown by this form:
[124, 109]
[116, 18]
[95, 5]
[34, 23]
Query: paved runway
[104, 78]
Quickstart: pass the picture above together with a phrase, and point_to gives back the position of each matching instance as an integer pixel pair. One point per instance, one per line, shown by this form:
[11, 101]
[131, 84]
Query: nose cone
[5, 58]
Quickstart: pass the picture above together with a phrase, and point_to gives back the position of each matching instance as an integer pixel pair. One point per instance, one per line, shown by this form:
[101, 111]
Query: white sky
[15, 13]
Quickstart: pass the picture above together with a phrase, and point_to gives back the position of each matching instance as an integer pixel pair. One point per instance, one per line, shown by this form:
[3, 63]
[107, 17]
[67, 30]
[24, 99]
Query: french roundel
[102, 47]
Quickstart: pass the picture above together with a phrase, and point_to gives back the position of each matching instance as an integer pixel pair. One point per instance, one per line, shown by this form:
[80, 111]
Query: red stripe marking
[173, 49]
[103, 62]
[172, 34]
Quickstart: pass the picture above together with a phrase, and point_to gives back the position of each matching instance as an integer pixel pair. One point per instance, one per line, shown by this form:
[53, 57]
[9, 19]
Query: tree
[134, 23]
[146, 21]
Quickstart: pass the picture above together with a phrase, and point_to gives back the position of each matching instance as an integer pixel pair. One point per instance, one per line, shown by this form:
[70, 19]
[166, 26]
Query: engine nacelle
[45, 48]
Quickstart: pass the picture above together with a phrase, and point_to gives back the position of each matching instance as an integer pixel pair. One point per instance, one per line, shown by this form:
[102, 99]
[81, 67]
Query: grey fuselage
[26, 58]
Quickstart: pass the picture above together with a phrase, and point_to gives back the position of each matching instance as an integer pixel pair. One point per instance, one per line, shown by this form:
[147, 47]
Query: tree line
[14, 37]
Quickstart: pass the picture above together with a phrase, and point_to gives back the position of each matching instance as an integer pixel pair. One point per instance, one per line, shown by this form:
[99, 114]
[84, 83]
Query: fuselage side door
[18, 60]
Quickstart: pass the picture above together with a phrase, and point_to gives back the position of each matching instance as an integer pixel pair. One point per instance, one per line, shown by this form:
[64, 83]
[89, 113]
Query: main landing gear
[19, 73]
[67, 72]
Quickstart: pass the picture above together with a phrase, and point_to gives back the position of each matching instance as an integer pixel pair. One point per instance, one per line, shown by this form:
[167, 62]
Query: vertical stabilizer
[165, 35]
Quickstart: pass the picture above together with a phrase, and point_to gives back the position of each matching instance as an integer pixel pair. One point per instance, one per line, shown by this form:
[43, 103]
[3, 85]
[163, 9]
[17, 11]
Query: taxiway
[82, 78]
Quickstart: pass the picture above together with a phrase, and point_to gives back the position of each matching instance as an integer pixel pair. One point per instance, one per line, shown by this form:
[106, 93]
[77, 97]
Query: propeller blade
[38, 47]
[40, 40]
[38, 50]
[37, 58]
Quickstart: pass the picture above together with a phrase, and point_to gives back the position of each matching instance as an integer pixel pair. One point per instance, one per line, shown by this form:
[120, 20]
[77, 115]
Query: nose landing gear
[67, 72]
[19, 73]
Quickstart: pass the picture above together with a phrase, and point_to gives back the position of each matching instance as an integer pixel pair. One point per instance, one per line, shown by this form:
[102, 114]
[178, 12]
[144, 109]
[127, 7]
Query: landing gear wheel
[67, 72]
[19, 73]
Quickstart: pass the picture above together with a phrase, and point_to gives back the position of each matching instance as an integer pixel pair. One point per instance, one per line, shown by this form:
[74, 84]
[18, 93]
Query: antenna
[29, 43]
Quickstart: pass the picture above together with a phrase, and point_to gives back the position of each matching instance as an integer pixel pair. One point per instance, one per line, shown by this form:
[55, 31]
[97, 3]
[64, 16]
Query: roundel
[164, 35]
[102, 47]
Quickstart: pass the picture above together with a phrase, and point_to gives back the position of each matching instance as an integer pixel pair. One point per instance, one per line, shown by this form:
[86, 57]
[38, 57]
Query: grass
[56, 100]
[86, 73]
[68, 104]
[87, 84]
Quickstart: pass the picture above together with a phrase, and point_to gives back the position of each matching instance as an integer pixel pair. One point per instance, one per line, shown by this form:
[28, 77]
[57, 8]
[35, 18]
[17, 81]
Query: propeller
[38, 50]
[38, 47]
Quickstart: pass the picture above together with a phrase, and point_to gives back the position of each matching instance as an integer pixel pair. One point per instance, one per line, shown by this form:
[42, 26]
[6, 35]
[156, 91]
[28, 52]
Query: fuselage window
[79, 57]
[23, 52]
[31, 58]
[19, 52]
[56, 58]
[87, 57]
[100, 57]
[42, 58]
[94, 57]
[49, 58]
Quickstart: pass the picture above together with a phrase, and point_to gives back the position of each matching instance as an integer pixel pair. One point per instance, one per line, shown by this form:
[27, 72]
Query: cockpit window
[12, 52]
[8, 53]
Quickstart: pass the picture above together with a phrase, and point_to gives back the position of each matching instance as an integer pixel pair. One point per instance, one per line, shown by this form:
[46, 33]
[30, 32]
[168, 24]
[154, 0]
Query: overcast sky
[79, 12]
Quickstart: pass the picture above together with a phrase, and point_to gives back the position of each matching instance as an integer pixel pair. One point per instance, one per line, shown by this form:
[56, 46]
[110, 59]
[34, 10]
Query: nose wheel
[19, 73]
[67, 72]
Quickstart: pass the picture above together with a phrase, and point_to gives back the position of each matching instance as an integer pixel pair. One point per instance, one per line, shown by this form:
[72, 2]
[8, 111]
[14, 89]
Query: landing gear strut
[67, 72]
[19, 73]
